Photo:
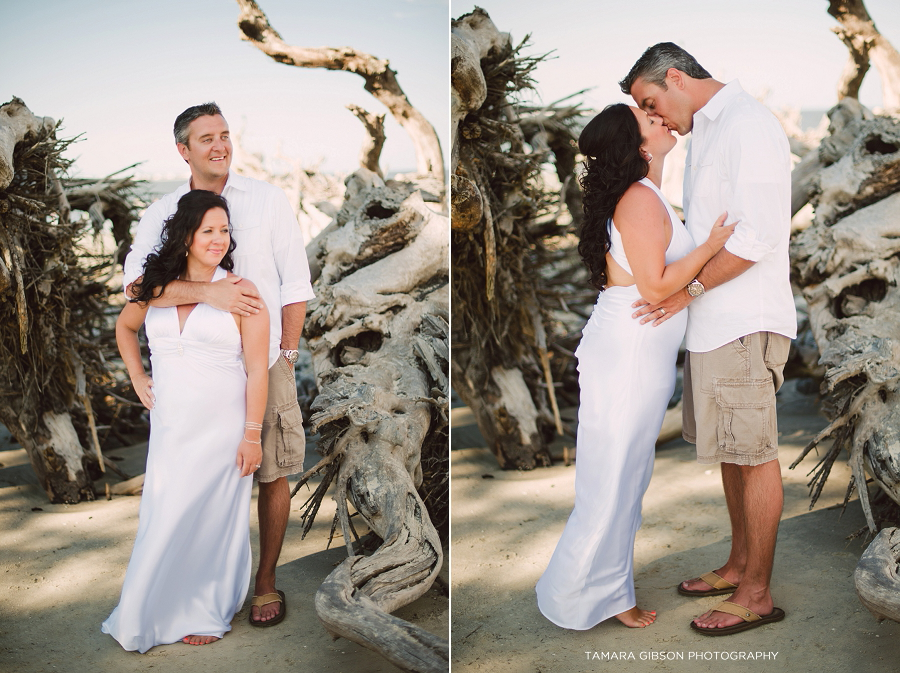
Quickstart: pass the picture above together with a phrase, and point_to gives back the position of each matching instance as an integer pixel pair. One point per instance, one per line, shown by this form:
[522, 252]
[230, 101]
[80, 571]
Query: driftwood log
[512, 244]
[52, 305]
[378, 333]
[380, 81]
[877, 575]
[846, 263]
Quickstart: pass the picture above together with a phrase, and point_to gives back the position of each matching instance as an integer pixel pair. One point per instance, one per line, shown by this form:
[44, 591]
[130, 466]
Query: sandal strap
[265, 599]
[717, 581]
[738, 611]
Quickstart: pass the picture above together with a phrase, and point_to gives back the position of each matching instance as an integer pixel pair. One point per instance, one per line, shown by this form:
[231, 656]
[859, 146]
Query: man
[742, 313]
[270, 252]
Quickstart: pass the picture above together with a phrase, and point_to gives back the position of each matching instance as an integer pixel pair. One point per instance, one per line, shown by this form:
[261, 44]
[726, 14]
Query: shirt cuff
[293, 293]
[747, 247]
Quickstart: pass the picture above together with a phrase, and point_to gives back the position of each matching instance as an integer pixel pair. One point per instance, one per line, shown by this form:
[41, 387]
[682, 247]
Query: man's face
[671, 104]
[208, 151]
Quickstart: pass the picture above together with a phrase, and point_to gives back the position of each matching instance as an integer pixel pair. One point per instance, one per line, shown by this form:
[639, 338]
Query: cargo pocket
[290, 442]
[745, 415]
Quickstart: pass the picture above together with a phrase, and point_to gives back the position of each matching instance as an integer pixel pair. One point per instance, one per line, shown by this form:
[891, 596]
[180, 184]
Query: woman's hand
[720, 233]
[249, 457]
[143, 386]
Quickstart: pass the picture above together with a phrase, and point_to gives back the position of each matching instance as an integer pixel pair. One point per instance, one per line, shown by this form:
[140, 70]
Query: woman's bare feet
[635, 618]
[199, 640]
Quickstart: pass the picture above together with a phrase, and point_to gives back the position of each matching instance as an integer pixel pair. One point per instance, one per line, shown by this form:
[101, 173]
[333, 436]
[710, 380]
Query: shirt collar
[721, 99]
[234, 180]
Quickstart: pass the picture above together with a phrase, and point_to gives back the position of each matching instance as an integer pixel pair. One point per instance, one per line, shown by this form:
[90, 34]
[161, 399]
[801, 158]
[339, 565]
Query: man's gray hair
[183, 121]
[654, 63]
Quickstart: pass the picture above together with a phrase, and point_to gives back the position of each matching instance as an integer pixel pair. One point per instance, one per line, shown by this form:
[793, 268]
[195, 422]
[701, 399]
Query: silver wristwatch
[291, 356]
[695, 288]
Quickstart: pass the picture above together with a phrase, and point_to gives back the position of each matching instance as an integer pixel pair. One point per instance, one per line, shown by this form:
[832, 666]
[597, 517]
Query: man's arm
[225, 294]
[719, 270]
[758, 166]
[292, 318]
[292, 265]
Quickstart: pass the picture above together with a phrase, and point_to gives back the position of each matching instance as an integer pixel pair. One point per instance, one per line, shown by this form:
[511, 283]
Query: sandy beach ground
[61, 570]
[506, 524]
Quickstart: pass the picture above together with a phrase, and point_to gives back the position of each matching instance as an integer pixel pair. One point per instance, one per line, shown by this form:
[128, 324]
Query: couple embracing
[729, 267]
[222, 396]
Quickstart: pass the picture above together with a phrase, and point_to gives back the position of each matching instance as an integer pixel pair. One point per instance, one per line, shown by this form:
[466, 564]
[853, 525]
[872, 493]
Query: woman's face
[658, 139]
[211, 240]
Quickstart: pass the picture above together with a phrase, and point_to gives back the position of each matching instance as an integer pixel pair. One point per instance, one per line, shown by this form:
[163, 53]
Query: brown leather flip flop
[751, 619]
[265, 599]
[720, 586]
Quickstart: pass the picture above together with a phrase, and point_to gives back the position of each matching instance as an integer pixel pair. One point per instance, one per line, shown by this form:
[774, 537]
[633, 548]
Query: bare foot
[635, 618]
[199, 640]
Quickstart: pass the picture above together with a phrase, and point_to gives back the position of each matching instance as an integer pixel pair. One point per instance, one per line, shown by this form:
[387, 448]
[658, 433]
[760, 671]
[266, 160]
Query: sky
[782, 51]
[119, 72]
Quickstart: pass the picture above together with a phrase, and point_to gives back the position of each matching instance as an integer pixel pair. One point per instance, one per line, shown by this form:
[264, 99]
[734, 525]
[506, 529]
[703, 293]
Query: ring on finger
[662, 311]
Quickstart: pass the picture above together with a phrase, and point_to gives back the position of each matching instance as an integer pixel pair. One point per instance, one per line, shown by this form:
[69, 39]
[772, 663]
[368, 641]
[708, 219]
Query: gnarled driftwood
[381, 80]
[378, 335]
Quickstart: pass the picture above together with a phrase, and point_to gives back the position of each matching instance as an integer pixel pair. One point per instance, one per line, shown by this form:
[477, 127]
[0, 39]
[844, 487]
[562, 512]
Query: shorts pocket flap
[289, 416]
[743, 393]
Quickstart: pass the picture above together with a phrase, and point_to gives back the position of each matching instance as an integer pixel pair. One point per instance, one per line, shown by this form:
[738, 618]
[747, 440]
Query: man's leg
[737, 425]
[762, 498]
[733, 570]
[273, 507]
[284, 447]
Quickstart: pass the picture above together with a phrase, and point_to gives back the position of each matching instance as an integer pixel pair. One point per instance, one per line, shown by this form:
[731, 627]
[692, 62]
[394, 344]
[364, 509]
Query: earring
[186, 253]
[648, 157]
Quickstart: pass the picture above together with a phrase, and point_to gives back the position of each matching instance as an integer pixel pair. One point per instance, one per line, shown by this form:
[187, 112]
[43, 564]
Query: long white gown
[626, 373]
[190, 567]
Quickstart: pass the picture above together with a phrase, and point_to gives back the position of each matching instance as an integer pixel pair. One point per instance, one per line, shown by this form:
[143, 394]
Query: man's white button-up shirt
[739, 161]
[270, 249]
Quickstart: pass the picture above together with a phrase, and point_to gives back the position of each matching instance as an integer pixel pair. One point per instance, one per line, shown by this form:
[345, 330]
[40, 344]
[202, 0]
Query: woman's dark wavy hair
[170, 259]
[610, 144]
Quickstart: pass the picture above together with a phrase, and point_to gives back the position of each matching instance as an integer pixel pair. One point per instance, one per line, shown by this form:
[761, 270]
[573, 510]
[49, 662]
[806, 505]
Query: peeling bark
[52, 306]
[510, 243]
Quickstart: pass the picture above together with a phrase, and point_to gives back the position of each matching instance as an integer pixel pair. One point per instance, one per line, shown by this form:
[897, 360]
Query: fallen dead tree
[513, 244]
[846, 263]
[378, 334]
[53, 305]
[876, 577]
[380, 81]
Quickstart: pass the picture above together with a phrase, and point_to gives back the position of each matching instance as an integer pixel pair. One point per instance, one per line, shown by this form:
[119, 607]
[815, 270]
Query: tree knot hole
[377, 211]
[878, 146]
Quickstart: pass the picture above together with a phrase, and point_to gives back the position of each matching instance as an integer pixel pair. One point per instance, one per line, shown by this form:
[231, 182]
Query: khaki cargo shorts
[729, 399]
[283, 440]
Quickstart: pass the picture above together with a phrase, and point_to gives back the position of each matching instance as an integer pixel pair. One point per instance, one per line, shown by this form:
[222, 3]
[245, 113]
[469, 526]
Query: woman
[635, 247]
[190, 567]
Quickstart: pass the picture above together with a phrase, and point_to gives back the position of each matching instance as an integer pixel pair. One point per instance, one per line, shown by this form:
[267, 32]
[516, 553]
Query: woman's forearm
[257, 391]
[676, 275]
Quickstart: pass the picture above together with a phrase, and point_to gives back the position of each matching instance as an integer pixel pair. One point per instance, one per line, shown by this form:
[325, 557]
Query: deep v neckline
[181, 327]
[218, 274]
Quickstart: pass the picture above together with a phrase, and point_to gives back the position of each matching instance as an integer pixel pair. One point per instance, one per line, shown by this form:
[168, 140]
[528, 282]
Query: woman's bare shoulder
[638, 202]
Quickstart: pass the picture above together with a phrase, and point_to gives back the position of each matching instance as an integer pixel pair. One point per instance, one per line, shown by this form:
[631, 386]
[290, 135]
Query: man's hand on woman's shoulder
[229, 294]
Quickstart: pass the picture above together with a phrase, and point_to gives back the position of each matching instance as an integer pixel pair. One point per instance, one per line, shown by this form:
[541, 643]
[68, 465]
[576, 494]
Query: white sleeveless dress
[190, 567]
[626, 373]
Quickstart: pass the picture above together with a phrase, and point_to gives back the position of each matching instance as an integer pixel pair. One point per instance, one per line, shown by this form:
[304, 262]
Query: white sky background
[120, 71]
[782, 47]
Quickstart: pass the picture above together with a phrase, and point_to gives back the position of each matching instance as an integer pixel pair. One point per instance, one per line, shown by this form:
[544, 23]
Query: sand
[61, 570]
[505, 525]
